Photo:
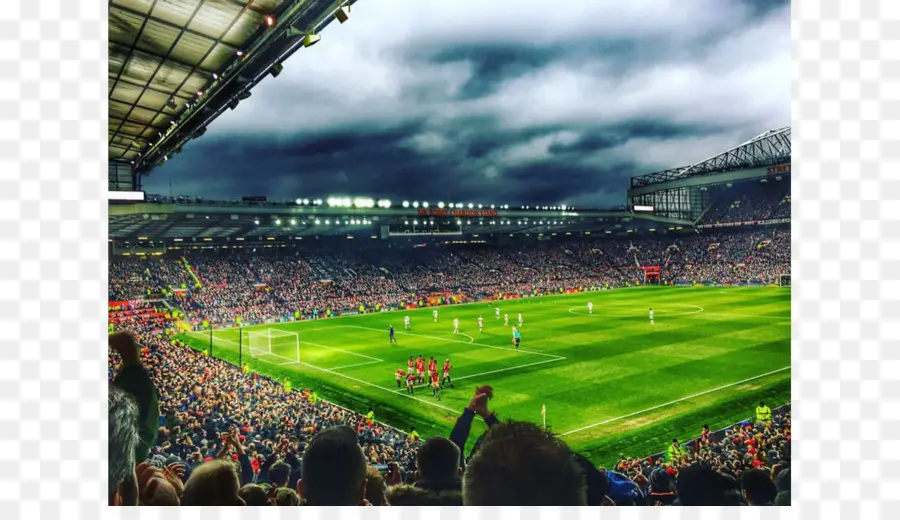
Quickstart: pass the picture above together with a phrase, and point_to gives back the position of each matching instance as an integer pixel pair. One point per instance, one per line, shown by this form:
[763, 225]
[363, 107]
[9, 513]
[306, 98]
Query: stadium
[650, 341]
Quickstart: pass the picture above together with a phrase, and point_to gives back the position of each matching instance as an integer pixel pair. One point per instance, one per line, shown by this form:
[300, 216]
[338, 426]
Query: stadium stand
[213, 413]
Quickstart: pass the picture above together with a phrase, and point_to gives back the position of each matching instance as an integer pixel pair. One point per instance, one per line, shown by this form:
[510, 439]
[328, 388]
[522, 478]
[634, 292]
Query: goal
[274, 342]
[784, 280]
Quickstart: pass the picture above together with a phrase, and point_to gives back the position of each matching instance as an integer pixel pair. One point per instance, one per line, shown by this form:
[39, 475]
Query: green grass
[611, 381]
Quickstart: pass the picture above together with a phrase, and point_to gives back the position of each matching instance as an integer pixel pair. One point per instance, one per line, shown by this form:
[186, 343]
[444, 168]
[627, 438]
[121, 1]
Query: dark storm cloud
[500, 102]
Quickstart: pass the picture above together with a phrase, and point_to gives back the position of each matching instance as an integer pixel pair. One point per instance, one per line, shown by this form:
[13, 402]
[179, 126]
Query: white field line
[465, 342]
[614, 419]
[490, 372]
[355, 365]
[360, 381]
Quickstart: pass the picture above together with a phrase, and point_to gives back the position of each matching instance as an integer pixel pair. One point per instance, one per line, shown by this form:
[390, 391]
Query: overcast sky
[500, 101]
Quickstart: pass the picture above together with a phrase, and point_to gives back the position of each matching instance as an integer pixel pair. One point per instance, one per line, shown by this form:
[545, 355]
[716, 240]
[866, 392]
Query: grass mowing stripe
[612, 366]
[607, 421]
[465, 342]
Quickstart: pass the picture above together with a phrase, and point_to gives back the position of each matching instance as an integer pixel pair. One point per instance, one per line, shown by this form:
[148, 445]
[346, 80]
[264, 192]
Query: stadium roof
[174, 66]
[767, 149]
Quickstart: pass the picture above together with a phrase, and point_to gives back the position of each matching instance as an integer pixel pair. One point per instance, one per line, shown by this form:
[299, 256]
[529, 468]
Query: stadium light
[415, 222]
[415, 204]
[343, 13]
[327, 222]
[256, 221]
[459, 222]
[305, 201]
[311, 39]
[441, 205]
[425, 204]
[405, 222]
[405, 203]
[362, 202]
[471, 205]
[479, 206]
[277, 221]
[270, 20]
[293, 222]
[318, 222]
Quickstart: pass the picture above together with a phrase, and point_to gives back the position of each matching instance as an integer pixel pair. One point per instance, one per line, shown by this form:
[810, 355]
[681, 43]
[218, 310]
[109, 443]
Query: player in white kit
[480, 324]
[406, 322]
[506, 320]
[497, 312]
[651, 316]
[456, 325]
[520, 320]
[590, 308]
[434, 314]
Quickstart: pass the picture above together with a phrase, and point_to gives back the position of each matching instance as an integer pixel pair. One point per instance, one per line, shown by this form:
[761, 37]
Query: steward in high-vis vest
[763, 413]
[674, 453]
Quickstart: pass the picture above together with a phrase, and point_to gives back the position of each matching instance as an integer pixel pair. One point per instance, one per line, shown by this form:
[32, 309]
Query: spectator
[215, 483]
[286, 497]
[758, 488]
[253, 495]
[520, 464]
[334, 469]
[123, 442]
[134, 379]
[700, 485]
[376, 488]
[438, 469]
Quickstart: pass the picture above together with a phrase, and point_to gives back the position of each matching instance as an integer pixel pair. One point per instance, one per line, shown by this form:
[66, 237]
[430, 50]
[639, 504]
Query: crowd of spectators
[224, 436]
[259, 287]
[751, 201]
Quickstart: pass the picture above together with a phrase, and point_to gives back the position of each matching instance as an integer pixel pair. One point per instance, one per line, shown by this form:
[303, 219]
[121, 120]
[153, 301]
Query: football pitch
[611, 381]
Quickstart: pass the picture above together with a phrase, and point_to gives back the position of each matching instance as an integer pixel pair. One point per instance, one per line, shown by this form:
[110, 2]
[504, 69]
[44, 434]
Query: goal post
[784, 280]
[274, 342]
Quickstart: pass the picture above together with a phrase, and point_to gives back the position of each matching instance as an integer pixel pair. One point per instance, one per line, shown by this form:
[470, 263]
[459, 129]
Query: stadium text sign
[458, 213]
[784, 168]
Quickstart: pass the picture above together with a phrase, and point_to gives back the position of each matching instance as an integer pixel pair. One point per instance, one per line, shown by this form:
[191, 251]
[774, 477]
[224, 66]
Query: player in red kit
[446, 371]
[401, 374]
[420, 368]
[410, 365]
[432, 366]
[410, 383]
[435, 386]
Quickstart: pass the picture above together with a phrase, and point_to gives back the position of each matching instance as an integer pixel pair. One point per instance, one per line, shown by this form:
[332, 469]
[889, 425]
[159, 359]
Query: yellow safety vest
[763, 414]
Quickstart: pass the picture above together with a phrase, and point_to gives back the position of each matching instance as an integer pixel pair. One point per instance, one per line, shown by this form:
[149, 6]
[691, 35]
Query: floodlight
[342, 14]
[416, 204]
[277, 221]
[441, 205]
[405, 203]
[311, 39]
[424, 204]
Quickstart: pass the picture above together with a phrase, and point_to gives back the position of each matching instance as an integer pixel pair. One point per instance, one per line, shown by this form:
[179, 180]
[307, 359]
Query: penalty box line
[554, 356]
[676, 401]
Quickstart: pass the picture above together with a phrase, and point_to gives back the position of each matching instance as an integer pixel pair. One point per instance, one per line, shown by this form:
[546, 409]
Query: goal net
[274, 342]
[784, 280]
